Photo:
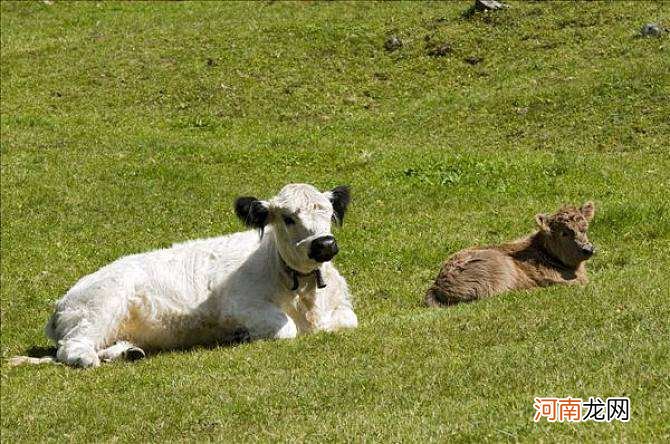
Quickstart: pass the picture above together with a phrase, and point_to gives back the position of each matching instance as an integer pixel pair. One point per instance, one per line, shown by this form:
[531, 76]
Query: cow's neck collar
[294, 275]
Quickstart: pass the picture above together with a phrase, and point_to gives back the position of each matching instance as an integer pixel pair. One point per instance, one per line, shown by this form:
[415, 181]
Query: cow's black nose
[323, 249]
[588, 249]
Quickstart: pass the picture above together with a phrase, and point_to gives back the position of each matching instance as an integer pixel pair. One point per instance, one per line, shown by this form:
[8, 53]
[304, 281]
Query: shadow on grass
[468, 13]
[238, 338]
[40, 352]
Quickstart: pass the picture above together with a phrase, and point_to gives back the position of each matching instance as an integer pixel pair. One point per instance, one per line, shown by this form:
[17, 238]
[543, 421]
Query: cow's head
[565, 233]
[301, 217]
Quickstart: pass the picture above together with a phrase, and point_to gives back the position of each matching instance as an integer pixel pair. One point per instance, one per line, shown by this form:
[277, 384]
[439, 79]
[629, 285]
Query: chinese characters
[575, 410]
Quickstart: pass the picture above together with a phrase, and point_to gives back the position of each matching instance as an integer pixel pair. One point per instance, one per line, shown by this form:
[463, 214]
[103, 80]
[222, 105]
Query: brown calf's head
[565, 233]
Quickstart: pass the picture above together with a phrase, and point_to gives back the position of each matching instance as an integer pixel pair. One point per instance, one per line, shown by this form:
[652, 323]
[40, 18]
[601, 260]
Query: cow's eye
[288, 220]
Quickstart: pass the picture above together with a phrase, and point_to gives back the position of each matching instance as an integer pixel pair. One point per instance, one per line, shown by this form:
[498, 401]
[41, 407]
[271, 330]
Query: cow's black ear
[340, 197]
[252, 212]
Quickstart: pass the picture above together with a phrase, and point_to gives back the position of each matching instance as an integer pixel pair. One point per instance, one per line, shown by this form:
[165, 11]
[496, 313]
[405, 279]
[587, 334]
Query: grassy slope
[118, 136]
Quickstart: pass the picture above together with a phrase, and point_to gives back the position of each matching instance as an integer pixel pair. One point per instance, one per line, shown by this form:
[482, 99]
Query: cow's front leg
[342, 317]
[268, 323]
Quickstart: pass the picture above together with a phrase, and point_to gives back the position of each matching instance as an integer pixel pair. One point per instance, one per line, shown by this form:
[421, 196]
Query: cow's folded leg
[121, 350]
[269, 323]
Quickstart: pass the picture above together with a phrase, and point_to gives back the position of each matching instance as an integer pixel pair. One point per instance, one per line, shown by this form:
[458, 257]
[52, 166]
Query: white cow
[274, 281]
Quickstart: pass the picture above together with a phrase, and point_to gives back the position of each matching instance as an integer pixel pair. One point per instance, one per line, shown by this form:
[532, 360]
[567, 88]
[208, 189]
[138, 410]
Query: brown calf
[555, 254]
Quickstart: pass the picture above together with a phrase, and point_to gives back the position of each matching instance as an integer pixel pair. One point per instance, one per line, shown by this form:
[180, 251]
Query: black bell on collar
[317, 274]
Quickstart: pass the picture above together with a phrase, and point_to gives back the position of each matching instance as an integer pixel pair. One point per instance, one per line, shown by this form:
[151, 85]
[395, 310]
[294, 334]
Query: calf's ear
[588, 210]
[251, 211]
[542, 221]
[339, 197]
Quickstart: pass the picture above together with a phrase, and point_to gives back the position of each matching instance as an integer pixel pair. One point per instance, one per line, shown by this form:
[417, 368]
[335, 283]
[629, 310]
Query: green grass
[127, 127]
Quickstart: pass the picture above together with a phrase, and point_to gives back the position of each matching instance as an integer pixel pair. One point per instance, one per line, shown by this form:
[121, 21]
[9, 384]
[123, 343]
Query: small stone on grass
[440, 50]
[651, 30]
[489, 5]
[473, 60]
[392, 43]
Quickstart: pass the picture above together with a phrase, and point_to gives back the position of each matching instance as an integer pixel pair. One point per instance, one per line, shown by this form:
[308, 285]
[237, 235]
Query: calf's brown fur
[555, 254]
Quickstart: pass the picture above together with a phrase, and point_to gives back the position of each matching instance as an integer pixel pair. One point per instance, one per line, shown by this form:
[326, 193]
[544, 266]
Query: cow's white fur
[208, 291]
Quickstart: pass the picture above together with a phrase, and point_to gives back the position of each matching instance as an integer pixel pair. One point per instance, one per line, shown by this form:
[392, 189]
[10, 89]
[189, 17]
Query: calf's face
[565, 233]
[301, 217]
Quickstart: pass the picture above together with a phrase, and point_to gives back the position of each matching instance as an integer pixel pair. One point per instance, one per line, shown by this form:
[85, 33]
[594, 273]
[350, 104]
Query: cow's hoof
[134, 353]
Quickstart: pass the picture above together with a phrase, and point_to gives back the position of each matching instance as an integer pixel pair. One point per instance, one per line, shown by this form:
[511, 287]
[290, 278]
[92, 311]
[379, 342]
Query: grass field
[128, 127]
